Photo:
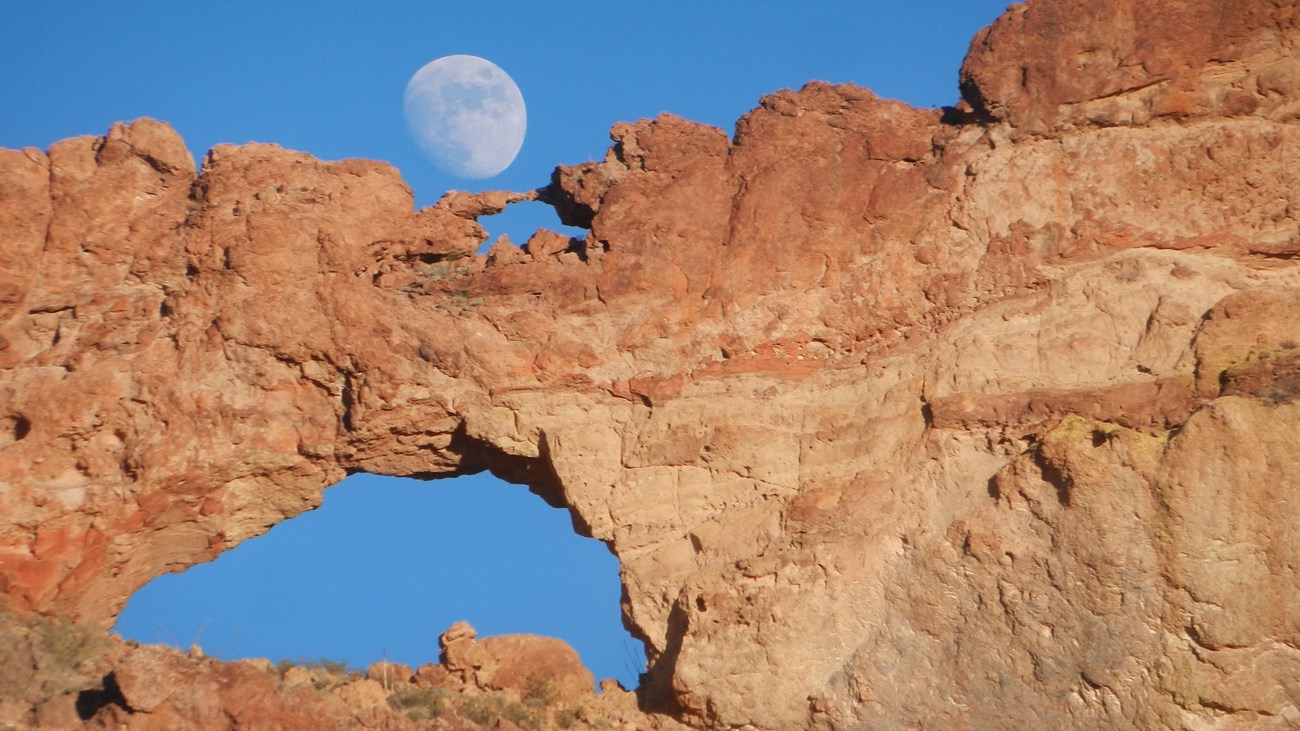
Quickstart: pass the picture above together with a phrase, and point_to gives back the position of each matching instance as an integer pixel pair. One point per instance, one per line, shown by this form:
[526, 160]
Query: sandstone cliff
[897, 418]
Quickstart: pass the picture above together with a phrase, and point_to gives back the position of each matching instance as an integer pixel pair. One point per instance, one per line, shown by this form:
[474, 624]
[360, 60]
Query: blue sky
[327, 78]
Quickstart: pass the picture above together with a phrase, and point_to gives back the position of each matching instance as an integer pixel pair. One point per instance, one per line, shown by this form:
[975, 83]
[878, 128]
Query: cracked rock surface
[981, 417]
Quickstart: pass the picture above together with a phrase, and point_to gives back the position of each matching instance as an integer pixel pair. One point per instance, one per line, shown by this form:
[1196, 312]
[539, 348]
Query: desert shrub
[327, 672]
[486, 709]
[63, 642]
[1281, 396]
[541, 692]
[445, 267]
[442, 270]
[567, 717]
[419, 704]
[331, 667]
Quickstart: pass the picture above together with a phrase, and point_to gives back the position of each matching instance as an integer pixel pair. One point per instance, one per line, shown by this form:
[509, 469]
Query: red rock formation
[518, 662]
[980, 418]
[56, 675]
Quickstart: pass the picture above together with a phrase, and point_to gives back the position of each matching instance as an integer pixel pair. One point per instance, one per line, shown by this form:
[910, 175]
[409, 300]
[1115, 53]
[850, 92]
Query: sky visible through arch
[388, 564]
[327, 78]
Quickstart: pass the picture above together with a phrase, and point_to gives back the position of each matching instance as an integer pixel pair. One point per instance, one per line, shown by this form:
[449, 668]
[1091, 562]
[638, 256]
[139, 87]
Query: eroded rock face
[979, 418]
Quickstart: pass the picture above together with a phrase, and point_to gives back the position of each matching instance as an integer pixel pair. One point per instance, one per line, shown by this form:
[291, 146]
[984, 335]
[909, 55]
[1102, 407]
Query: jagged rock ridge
[979, 417]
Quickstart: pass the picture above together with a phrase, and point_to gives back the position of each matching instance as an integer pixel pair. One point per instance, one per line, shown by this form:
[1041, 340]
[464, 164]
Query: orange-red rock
[975, 418]
[59, 676]
[530, 665]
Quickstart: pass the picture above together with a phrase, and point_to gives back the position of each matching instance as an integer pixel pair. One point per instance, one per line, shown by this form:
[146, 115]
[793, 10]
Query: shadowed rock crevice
[656, 684]
[15, 428]
[92, 701]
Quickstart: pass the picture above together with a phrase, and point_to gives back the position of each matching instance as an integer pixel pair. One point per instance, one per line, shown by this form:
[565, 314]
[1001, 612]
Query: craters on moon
[466, 114]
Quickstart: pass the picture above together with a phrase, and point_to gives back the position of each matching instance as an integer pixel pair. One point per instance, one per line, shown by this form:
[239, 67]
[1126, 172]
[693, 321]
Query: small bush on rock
[419, 704]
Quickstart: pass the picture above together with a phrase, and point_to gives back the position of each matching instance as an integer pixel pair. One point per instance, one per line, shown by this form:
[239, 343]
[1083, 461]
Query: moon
[466, 115]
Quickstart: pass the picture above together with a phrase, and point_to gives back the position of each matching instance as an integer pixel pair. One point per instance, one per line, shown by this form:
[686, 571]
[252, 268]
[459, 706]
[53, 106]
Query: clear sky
[386, 565]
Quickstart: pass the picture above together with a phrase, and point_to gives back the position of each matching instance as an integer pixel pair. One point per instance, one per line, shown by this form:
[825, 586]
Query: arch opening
[521, 220]
[384, 566]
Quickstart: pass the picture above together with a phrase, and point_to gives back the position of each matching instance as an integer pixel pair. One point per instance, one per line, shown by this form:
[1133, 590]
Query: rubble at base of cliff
[60, 675]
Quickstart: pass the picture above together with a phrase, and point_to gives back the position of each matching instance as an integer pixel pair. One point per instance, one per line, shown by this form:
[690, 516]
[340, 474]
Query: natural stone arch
[383, 567]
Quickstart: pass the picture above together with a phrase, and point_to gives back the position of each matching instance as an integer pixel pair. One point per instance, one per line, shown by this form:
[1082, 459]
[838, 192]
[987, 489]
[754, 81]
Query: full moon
[466, 115]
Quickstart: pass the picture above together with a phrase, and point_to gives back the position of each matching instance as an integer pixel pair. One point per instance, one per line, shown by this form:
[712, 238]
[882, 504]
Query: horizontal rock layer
[969, 418]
